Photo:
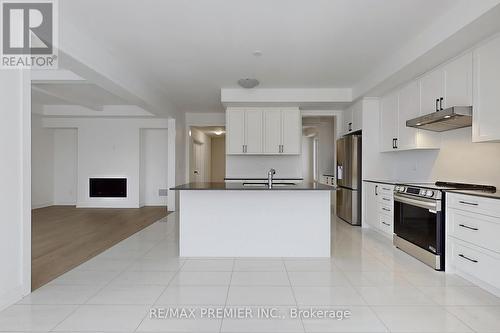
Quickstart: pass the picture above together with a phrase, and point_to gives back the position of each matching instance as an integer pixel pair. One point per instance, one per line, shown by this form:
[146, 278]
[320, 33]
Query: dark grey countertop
[239, 187]
[385, 181]
[263, 178]
[493, 195]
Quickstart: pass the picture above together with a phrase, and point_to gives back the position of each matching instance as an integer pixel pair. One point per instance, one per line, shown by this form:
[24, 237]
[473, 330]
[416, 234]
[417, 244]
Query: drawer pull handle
[386, 188]
[386, 209]
[468, 203]
[465, 257]
[467, 227]
[386, 199]
[387, 224]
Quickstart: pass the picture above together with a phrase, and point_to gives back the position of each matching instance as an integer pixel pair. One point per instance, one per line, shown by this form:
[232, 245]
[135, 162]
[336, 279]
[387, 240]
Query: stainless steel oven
[419, 224]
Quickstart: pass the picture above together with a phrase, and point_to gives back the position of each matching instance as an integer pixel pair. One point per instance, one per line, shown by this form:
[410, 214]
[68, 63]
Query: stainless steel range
[419, 219]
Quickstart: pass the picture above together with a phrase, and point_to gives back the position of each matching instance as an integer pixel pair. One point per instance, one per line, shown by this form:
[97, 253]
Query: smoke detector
[248, 83]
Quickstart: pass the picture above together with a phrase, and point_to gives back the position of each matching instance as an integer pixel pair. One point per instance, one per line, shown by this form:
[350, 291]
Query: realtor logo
[29, 34]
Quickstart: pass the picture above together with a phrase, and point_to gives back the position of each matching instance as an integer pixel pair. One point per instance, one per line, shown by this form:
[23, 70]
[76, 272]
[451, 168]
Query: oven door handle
[432, 206]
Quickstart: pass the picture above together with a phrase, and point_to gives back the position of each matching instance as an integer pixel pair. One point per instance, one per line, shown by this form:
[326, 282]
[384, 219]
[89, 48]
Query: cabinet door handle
[387, 224]
[437, 102]
[376, 189]
[386, 209]
[467, 227]
[386, 199]
[243, 148]
[396, 143]
[468, 203]
[350, 127]
[441, 103]
[465, 257]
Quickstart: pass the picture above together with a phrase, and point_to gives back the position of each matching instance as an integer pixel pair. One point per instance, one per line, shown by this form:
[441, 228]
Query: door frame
[199, 120]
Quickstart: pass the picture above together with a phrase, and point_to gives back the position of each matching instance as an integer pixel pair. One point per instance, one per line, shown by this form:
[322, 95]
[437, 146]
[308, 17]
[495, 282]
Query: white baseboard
[41, 205]
[11, 297]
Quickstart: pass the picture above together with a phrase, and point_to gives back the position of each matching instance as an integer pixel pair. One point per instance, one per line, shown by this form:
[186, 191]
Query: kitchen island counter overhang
[234, 220]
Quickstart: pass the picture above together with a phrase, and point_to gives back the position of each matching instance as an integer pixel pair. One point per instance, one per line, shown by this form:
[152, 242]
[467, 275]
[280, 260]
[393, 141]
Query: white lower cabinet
[379, 207]
[473, 249]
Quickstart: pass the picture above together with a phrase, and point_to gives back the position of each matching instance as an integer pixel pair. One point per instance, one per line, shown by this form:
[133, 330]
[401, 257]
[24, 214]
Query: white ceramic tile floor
[384, 289]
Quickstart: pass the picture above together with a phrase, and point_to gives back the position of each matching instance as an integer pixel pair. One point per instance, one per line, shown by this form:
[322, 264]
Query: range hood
[444, 120]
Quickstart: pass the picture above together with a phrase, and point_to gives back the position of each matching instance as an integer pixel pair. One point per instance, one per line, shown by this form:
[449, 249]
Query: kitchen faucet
[270, 175]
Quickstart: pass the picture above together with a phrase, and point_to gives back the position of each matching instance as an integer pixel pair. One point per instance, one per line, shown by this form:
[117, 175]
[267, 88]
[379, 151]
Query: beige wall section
[218, 159]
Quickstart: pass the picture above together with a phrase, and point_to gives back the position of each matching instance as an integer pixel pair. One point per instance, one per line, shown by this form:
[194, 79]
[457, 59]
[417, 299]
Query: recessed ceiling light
[248, 83]
[218, 132]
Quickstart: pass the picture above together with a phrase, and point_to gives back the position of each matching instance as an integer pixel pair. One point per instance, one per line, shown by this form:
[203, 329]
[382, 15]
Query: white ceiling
[192, 49]
[71, 93]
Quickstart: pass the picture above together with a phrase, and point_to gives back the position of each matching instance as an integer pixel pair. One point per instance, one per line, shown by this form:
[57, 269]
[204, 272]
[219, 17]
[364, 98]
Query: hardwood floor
[63, 237]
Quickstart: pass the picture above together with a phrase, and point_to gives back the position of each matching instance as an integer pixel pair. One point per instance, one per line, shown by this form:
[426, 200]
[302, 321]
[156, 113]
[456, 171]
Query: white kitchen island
[231, 220]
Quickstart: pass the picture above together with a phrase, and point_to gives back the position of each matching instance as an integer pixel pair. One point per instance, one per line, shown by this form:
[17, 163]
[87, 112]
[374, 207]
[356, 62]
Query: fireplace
[108, 187]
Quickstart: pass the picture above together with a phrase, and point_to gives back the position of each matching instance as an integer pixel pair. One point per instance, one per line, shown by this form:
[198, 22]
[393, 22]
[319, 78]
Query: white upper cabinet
[448, 85]
[272, 134]
[432, 93]
[259, 131]
[398, 107]
[458, 82]
[291, 131]
[388, 122]
[353, 118]
[409, 107]
[235, 132]
[253, 132]
[486, 107]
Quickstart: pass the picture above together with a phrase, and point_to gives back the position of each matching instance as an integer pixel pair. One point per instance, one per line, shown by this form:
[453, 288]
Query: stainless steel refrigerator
[349, 179]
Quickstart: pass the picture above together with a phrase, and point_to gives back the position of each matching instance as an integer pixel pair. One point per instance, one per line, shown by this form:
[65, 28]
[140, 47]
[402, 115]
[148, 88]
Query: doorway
[318, 147]
[207, 156]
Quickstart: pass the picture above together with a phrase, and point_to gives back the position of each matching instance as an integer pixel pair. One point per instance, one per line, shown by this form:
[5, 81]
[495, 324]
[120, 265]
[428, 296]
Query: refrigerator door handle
[340, 172]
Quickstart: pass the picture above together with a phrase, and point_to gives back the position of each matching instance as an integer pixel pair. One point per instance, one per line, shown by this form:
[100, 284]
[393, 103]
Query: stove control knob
[402, 189]
[430, 193]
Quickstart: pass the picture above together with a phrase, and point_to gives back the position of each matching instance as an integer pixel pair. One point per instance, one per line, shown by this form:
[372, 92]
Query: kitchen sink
[265, 184]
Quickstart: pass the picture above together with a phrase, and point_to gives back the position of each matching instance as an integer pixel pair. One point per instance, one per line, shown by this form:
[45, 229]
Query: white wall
[65, 166]
[258, 166]
[15, 177]
[307, 159]
[108, 147]
[42, 163]
[458, 160]
[153, 167]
